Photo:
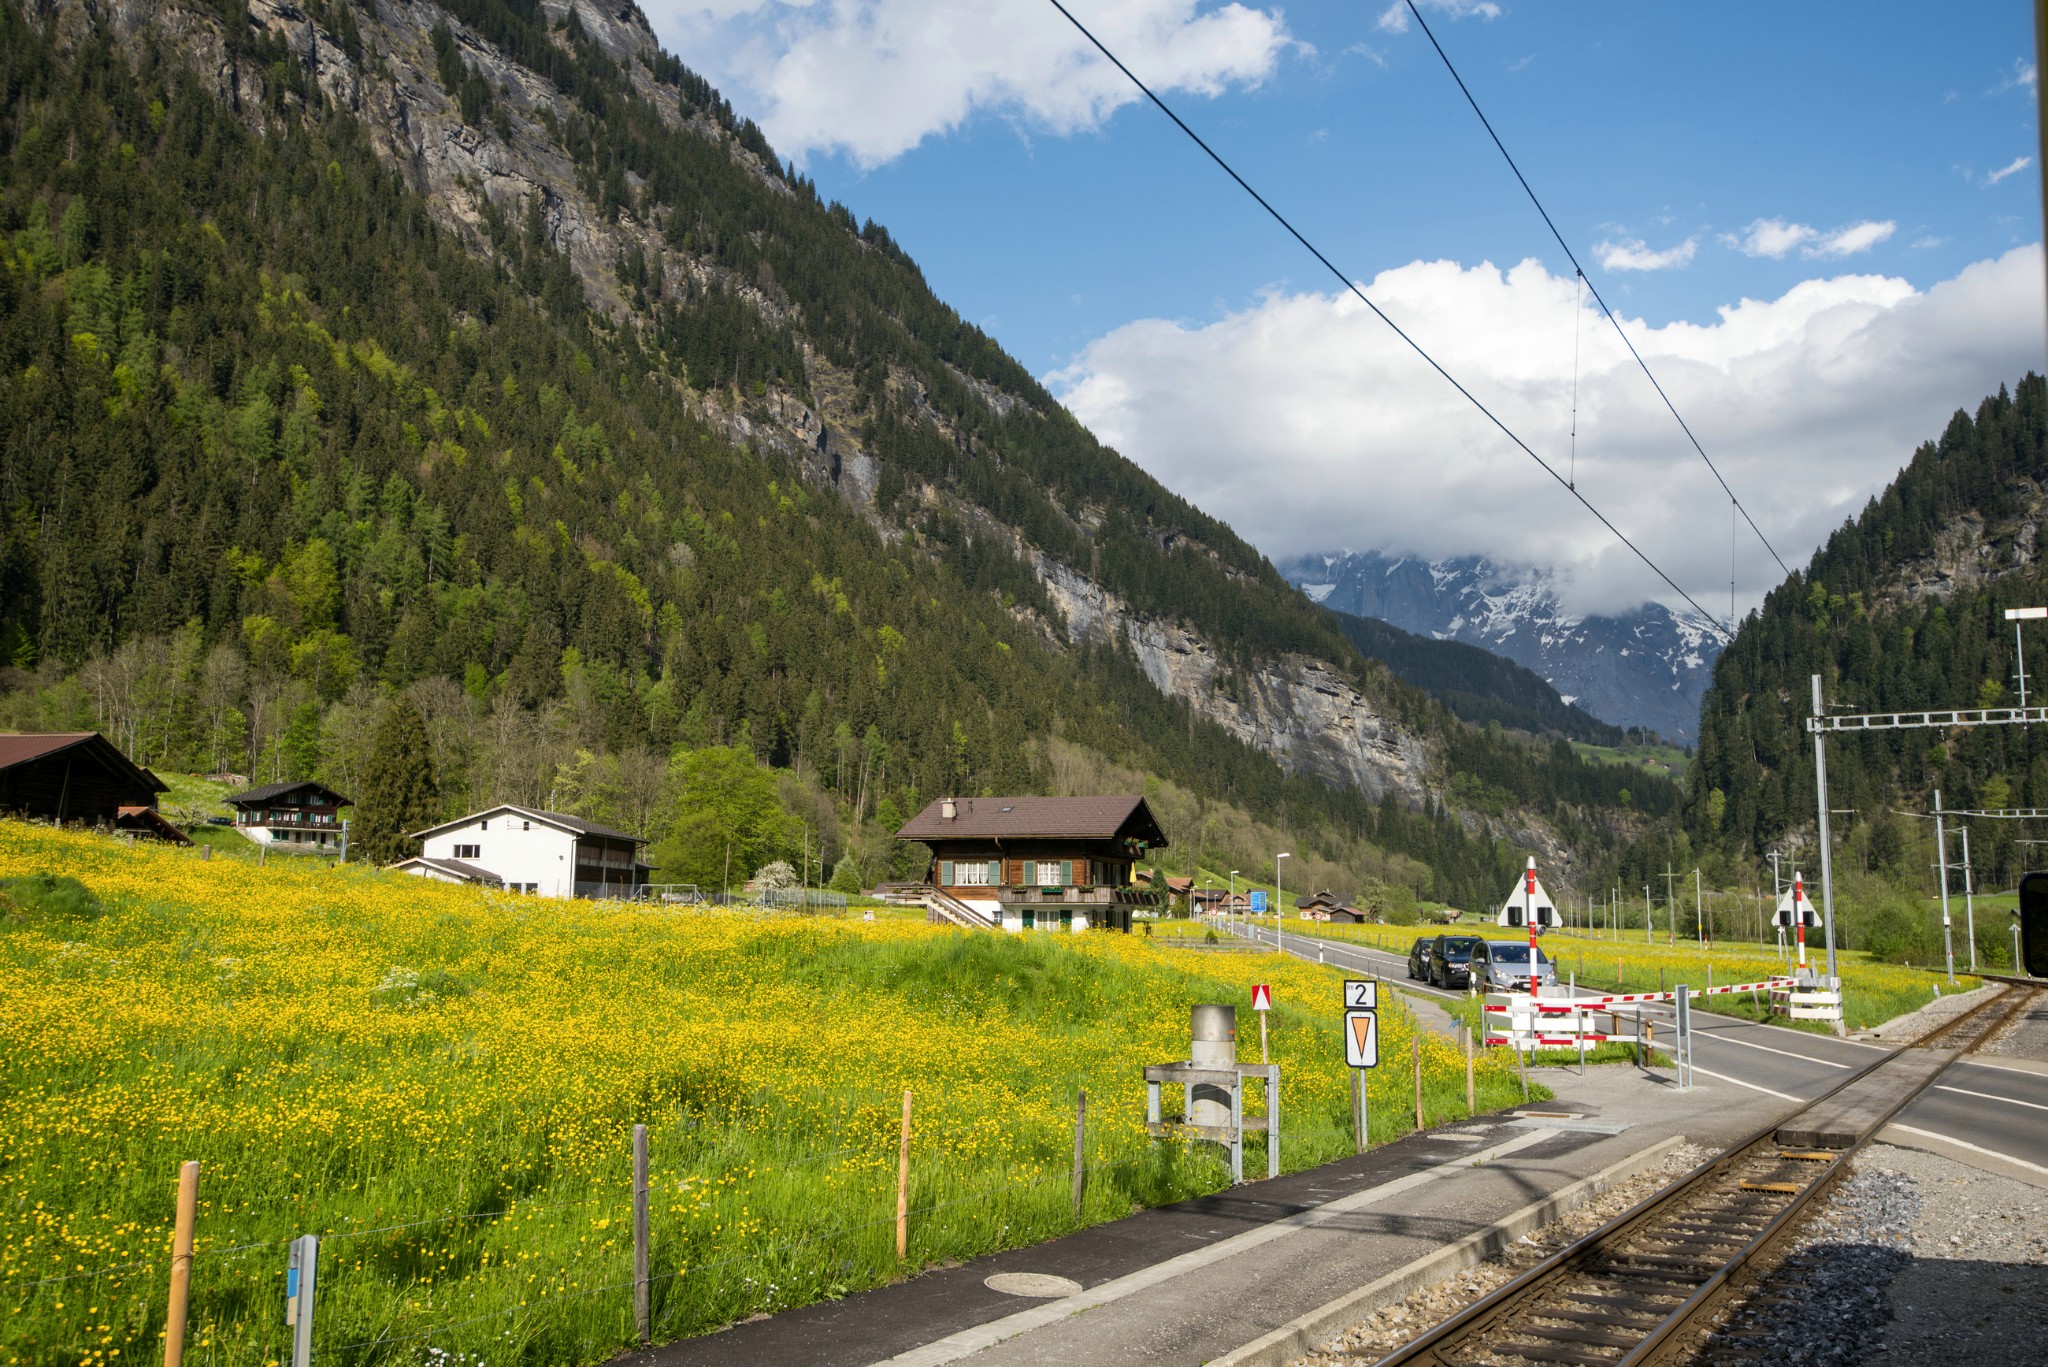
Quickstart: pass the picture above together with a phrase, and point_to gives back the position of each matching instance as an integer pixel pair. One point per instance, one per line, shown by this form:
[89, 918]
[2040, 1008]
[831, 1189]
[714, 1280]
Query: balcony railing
[305, 821]
[1077, 897]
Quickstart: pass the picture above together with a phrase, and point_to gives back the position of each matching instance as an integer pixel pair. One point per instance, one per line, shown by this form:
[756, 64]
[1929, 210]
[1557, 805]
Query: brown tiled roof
[271, 790]
[21, 747]
[1026, 818]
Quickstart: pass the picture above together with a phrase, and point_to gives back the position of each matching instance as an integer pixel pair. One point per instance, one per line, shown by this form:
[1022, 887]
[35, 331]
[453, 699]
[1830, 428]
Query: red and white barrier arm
[1565, 1006]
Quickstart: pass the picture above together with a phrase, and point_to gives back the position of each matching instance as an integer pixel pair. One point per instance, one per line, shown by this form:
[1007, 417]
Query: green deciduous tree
[728, 819]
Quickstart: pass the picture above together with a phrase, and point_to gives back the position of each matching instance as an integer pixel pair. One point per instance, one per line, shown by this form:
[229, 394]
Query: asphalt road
[1997, 1109]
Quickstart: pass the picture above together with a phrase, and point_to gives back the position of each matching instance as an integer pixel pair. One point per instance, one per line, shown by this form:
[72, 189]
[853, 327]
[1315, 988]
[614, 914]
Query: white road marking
[1722, 1077]
[1964, 1144]
[1988, 1096]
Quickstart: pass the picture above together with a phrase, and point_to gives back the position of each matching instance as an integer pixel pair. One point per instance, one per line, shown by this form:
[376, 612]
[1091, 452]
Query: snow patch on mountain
[1644, 668]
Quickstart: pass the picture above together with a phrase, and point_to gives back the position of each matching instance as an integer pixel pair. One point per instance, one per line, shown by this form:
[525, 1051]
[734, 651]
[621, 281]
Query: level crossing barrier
[1521, 1020]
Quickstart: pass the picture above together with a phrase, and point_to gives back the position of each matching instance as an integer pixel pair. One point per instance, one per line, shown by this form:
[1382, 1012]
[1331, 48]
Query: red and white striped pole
[1529, 915]
[1799, 913]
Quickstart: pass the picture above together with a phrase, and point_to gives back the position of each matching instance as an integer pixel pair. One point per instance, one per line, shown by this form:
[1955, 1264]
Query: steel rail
[1471, 1327]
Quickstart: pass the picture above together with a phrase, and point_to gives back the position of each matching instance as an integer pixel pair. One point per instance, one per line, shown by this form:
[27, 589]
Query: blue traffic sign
[1258, 900]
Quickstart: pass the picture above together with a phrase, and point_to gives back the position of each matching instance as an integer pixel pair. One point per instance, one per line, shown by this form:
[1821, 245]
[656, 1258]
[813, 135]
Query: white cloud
[1394, 19]
[1857, 237]
[2011, 168]
[1921, 244]
[1771, 237]
[1631, 254]
[1305, 423]
[2022, 76]
[873, 78]
[1774, 238]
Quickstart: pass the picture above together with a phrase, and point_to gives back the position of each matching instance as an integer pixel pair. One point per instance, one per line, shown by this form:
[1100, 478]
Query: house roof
[1325, 898]
[24, 747]
[1025, 818]
[561, 821]
[271, 790]
[150, 821]
[454, 868]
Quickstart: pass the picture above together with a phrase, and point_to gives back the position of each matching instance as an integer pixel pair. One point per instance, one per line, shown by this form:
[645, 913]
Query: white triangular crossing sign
[1527, 898]
[1262, 998]
[1795, 906]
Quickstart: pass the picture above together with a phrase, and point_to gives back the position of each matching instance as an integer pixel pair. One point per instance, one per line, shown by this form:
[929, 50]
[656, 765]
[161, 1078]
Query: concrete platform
[1190, 1283]
[1855, 1111]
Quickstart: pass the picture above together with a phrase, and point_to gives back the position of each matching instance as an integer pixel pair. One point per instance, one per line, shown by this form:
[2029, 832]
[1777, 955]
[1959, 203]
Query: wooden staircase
[941, 908]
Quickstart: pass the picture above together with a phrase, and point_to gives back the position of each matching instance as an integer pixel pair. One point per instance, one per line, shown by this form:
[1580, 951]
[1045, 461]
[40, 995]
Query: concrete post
[1213, 1044]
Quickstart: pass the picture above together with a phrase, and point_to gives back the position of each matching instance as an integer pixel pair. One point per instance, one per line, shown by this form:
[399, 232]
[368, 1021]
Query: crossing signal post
[1361, 1047]
[1796, 912]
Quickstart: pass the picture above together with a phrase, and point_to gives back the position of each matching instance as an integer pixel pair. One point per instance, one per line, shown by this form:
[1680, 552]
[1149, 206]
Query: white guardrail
[1521, 1021]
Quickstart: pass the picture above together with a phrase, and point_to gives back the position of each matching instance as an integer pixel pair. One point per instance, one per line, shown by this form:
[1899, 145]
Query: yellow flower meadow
[442, 1083]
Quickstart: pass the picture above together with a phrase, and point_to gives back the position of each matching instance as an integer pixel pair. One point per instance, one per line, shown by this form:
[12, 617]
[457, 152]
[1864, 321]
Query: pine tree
[398, 790]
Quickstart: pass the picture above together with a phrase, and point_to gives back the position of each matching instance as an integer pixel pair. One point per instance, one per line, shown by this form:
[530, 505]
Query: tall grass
[442, 1083]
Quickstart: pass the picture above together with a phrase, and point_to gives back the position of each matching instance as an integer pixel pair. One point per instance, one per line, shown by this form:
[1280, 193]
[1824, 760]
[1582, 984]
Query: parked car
[1419, 967]
[1503, 966]
[1450, 960]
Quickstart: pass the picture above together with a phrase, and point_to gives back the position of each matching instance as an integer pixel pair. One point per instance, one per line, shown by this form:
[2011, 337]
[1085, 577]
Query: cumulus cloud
[1774, 238]
[2011, 168]
[1631, 254]
[873, 78]
[1394, 19]
[1306, 424]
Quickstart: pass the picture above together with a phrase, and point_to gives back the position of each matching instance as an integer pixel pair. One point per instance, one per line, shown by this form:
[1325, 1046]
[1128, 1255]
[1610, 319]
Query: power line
[1413, 345]
[1464, 90]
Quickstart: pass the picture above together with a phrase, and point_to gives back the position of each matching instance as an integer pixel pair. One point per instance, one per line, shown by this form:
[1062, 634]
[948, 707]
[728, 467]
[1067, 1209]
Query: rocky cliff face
[380, 63]
[1297, 709]
[1645, 668]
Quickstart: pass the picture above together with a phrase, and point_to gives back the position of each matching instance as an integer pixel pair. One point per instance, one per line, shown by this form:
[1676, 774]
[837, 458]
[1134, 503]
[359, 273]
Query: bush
[48, 897]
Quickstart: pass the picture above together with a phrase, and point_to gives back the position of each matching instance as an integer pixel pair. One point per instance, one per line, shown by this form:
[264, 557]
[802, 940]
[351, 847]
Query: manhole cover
[1038, 1285]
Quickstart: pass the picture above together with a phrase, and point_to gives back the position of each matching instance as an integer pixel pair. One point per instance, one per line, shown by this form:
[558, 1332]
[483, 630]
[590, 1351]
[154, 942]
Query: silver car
[1503, 966]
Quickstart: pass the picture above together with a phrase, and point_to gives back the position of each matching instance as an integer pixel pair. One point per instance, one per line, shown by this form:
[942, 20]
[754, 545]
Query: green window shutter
[1067, 872]
[946, 873]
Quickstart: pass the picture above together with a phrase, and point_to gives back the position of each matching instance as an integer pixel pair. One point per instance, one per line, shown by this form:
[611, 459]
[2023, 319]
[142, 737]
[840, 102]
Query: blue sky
[1847, 168]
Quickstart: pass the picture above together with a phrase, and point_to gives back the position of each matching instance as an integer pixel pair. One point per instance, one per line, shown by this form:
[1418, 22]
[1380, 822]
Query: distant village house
[299, 818]
[525, 850]
[1040, 863]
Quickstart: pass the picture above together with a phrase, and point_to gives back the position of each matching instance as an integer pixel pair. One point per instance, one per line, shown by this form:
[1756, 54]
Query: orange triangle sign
[1361, 1030]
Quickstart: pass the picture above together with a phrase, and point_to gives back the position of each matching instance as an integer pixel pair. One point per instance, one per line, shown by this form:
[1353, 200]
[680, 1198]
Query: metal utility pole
[1699, 908]
[1276, 897]
[1648, 938]
[1827, 858]
[1969, 902]
[1948, 948]
[1670, 905]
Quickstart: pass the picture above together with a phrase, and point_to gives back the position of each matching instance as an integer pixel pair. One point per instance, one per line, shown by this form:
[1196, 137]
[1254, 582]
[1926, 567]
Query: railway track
[1648, 1286]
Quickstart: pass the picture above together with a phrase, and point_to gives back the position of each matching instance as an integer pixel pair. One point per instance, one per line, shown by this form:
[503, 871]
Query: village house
[525, 850]
[1040, 863]
[1327, 906]
[303, 817]
[79, 777]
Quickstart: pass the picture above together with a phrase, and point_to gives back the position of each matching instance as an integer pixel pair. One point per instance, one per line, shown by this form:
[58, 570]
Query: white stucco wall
[517, 849]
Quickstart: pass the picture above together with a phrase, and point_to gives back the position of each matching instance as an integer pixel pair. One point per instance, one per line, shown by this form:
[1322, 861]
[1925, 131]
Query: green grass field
[1666, 761]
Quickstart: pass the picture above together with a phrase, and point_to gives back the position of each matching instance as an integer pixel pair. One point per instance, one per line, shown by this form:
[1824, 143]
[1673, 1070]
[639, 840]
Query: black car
[1421, 965]
[1450, 960]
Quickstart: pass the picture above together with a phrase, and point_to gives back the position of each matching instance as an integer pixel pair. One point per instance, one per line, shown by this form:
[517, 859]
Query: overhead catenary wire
[1413, 345]
[1619, 331]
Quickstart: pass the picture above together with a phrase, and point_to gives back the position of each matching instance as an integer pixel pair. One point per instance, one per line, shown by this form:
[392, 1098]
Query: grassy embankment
[347, 1052]
[1872, 992]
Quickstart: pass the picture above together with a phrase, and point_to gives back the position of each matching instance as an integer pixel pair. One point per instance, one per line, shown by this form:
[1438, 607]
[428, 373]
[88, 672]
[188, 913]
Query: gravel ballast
[1390, 1326]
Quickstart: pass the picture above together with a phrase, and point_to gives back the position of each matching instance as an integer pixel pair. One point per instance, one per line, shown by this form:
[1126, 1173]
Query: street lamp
[1284, 854]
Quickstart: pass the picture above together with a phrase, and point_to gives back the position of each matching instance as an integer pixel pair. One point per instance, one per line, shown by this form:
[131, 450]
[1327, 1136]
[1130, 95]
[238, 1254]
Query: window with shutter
[946, 873]
[1066, 873]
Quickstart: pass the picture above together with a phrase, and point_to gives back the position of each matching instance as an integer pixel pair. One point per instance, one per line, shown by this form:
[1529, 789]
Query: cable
[1413, 345]
[1578, 308]
[1619, 331]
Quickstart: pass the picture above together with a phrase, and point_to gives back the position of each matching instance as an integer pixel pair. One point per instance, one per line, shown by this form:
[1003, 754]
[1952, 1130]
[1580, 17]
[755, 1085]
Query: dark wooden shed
[69, 776]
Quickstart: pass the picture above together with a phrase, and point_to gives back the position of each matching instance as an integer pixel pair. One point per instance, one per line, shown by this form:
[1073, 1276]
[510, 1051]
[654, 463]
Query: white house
[526, 850]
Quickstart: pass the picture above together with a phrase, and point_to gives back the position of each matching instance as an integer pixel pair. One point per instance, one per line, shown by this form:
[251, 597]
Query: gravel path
[1938, 1011]
[1392, 1325]
[2025, 1037]
[1916, 1261]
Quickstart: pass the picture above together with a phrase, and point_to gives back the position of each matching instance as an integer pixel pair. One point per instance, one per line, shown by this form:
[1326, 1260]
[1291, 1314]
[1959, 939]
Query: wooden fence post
[1080, 1147]
[1415, 1047]
[181, 1264]
[903, 1185]
[641, 1316]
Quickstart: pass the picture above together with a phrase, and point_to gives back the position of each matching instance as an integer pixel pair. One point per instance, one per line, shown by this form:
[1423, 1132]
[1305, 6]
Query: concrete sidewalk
[1189, 1283]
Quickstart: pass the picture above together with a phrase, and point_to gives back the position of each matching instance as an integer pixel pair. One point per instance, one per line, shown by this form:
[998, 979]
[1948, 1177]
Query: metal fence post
[1273, 1120]
[1415, 1048]
[1683, 1003]
[642, 1319]
[300, 1282]
[1471, 1084]
[1080, 1147]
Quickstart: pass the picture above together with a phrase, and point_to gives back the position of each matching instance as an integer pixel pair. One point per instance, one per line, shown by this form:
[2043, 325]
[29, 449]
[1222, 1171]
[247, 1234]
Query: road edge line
[1307, 1333]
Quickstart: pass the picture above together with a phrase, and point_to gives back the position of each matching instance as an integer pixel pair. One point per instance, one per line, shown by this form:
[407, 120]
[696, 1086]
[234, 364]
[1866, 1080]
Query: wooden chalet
[302, 817]
[1040, 863]
[72, 777]
[1327, 906]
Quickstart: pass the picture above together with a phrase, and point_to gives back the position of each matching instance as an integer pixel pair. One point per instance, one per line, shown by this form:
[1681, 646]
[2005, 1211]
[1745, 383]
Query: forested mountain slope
[478, 350]
[1903, 608]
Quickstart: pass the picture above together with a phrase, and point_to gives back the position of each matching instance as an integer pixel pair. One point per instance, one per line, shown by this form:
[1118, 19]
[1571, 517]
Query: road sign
[1258, 901]
[1262, 998]
[1361, 994]
[1362, 1039]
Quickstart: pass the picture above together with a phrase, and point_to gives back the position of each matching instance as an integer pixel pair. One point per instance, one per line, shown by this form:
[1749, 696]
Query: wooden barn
[72, 777]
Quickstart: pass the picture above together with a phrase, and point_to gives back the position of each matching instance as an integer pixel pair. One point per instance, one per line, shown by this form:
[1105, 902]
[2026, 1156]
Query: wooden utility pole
[903, 1185]
[181, 1265]
[1670, 906]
